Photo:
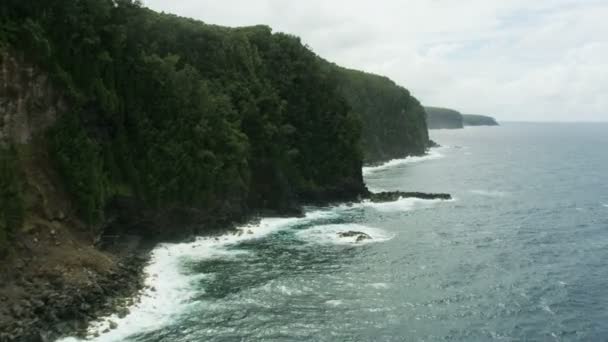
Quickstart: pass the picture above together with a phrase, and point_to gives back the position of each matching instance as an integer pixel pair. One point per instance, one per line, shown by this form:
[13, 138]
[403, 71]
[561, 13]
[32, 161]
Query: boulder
[360, 236]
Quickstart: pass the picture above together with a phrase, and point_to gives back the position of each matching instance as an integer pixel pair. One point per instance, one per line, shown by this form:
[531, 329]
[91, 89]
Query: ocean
[519, 254]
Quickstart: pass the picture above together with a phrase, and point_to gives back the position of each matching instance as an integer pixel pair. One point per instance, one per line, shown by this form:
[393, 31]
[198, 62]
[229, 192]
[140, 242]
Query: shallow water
[518, 255]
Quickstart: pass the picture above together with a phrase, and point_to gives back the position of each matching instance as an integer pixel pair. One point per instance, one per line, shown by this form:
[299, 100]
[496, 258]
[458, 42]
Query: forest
[394, 122]
[173, 112]
[443, 118]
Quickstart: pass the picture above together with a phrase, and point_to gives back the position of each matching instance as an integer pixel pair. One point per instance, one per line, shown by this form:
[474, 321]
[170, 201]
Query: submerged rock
[363, 237]
[360, 235]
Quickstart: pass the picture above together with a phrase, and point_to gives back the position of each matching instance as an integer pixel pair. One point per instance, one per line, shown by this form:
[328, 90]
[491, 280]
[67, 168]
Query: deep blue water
[519, 255]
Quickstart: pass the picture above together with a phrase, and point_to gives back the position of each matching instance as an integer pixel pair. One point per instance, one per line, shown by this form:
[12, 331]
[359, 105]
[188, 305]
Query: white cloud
[515, 59]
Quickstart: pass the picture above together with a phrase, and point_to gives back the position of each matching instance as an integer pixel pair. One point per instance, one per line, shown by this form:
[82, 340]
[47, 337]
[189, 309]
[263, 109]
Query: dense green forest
[175, 112]
[443, 118]
[394, 121]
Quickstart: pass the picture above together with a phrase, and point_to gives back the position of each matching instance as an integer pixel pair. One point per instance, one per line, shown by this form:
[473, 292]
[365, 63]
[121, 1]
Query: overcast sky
[530, 60]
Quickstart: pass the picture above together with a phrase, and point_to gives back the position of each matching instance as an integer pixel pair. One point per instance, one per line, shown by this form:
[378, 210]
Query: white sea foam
[431, 155]
[379, 285]
[169, 288]
[605, 205]
[402, 204]
[547, 309]
[329, 234]
[490, 193]
[334, 302]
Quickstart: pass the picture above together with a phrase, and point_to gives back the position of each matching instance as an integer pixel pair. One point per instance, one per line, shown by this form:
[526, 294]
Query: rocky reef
[359, 236]
[396, 195]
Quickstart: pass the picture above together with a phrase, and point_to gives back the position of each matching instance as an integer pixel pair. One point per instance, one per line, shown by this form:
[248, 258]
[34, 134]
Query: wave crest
[431, 155]
[329, 234]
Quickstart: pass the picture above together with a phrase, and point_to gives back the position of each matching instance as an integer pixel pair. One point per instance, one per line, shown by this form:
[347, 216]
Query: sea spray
[169, 289]
[431, 155]
[330, 234]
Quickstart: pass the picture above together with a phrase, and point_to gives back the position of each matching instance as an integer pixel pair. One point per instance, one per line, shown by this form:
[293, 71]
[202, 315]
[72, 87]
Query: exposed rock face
[443, 118]
[53, 280]
[28, 102]
[478, 120]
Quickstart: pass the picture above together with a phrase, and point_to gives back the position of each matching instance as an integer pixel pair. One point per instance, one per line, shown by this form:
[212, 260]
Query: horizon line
[536, 121]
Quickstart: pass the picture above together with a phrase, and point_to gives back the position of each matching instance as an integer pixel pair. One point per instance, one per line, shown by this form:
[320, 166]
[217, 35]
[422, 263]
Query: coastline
[51, 307]
[167, 287]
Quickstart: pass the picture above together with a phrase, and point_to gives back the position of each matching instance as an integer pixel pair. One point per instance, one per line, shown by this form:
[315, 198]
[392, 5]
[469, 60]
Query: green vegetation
[175, 112]
[478, 120]
[443, 118]
[394, 121]
[11, 202]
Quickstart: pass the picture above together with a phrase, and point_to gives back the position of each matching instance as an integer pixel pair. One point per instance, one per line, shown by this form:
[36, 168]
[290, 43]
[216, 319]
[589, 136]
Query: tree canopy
[176, 112]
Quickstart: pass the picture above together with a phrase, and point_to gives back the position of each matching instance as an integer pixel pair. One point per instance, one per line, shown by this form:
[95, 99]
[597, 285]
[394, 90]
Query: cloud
[515, 59]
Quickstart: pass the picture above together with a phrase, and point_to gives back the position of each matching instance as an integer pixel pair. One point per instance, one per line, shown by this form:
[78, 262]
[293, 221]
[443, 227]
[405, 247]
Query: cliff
[478, 120]
[443, 118]
[394, 124]
[147, 127]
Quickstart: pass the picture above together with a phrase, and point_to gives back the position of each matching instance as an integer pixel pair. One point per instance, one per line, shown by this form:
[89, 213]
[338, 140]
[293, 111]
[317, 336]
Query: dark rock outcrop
[360, 236]
[396, 195]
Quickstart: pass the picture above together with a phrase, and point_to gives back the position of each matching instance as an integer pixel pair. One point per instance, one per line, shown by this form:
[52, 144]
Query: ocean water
[519, 255]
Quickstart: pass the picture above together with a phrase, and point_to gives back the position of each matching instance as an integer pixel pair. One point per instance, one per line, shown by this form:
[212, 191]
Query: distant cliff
[478, 120]
[393, 121]
[443, 118]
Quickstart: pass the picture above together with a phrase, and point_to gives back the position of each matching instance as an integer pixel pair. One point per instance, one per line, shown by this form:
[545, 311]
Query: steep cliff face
[393, 121]
[28, 102]
[478, 120]
[29, 105]
[443, 118]
[46, 253]
[153, 127]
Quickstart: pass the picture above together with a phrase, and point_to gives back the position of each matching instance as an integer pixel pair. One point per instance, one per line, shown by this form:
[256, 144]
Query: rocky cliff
[443, 118]
[52, 277]
[147, 127]
[393, 121]
[478, 120]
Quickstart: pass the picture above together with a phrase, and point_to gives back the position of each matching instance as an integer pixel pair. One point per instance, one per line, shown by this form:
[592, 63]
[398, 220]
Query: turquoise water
[518, 255]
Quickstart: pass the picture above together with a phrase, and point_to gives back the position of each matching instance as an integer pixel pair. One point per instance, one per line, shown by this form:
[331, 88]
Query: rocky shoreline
[49, 305]
[51, 308]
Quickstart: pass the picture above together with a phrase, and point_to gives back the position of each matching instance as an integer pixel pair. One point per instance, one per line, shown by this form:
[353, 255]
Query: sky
[517, 60]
